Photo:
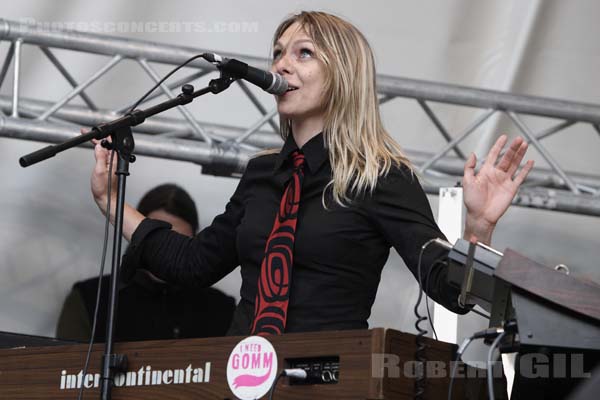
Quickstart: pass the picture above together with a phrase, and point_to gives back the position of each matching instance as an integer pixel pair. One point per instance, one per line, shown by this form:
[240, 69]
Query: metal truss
[224, 150]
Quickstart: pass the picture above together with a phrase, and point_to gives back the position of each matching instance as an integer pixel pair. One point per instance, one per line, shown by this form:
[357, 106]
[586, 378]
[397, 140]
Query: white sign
[251, 368]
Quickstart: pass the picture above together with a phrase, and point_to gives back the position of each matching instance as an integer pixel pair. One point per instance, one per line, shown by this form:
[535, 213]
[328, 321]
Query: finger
[108, 139]
[101, 156]
[508, 158]
[100, 152]
[520, 153]
[492, 156]
[469, 170]
[523, 173]
[85, 131]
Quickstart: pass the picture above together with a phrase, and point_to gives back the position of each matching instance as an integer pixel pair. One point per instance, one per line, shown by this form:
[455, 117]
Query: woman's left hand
[489, 193]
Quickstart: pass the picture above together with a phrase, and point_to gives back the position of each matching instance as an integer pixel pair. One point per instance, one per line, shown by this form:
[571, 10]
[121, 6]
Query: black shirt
[339, 252]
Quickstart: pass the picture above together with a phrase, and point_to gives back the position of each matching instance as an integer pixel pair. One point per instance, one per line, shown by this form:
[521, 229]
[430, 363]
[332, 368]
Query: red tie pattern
[274, 283]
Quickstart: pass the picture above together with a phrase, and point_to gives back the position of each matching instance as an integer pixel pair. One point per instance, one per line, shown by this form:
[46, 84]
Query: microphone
[268, 81]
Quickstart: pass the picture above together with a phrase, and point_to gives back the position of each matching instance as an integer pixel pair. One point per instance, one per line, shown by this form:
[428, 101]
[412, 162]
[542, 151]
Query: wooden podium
[373, 364]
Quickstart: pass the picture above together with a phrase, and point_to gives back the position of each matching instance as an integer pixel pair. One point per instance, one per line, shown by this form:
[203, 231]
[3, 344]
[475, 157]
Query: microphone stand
[123, 144]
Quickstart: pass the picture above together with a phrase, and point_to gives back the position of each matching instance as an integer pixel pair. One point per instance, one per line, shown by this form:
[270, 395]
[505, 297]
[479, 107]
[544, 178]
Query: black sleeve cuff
[132, 258]
[442, 292]
[451, 302]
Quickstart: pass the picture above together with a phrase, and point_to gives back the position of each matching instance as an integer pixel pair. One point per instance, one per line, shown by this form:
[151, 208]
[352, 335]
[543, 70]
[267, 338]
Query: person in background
[150, 308]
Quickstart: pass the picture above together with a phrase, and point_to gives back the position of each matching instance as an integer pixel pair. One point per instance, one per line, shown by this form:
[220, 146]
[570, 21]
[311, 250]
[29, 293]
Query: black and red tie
[274, 283]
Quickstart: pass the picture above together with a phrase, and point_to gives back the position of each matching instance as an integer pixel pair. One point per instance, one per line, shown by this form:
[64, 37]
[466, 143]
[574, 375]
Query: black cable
[164, 79]
[459, 353]
[452, 374]
[420, 346]
[281, 374]
[490, 380]
[498, 333]
[98, 291]
[426, 285]
[295, 373]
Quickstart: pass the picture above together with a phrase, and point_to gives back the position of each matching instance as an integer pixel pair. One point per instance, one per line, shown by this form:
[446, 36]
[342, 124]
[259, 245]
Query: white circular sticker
[251, 368]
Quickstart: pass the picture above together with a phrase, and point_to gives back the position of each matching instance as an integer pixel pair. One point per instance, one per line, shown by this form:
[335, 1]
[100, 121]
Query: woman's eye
[306, 53]
[276, 54]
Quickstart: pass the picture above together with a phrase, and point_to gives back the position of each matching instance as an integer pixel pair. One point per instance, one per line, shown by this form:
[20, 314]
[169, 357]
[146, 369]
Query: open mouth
[291, 88]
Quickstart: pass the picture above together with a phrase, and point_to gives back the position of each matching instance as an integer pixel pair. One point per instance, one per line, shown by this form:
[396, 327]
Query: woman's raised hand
[489, 192]
[99, 184]
[99, 178]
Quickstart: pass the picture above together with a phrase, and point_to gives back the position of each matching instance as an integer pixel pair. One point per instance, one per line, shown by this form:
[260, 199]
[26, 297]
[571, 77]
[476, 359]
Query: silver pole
[16, 78]
[482, 98]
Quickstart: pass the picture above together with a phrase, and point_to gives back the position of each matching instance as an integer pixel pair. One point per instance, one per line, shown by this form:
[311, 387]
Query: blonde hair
[360, 149]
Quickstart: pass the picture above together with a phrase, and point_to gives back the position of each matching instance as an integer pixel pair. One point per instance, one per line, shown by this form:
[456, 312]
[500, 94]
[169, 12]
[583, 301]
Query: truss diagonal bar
[254, 128]
[114, 61]
[438, 124]
[554, 129]
[184, 111]
[549, 159]
[587, 189]
[385, 99]
[67, 76]
[16, 78]
[480, 120]
[171, 86]
[6, 63]
[546, 132]
[257, 103]
[597, 128]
